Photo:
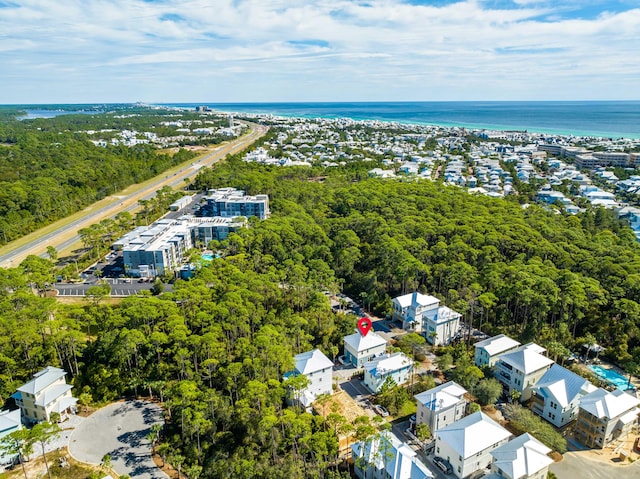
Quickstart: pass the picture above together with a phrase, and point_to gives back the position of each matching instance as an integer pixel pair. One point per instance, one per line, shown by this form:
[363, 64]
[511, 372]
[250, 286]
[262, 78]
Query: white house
[521, 458]
[9, 422]
[487, 351]
[359, 349]
[557, 395]
[397, 366]
[440, 406]
[318, 370]
[384, 456]
[606, 416]
[46, 393]
[522, 368]
[467, 444]
[410, 308]
[423, 314]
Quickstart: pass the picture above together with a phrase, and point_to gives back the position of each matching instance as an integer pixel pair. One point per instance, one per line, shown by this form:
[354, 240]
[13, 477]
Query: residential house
[46, 393]
[467, 444]
[397, 366]
[521, 458]
[487, 351]
[359, 349]
[606, 416]
[384, 456]
[318, 370]
[557, 395]
[522, 368]
[423, 314]
[9, 422]
[410, 308]
[440, 406]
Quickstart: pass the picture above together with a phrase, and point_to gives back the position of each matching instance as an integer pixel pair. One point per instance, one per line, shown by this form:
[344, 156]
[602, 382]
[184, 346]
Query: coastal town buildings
[522, 457]
[359, 349]
[384, 456]
[605, 416]
[10, 421]
[467, 444]
[441, 406]
[521, 369]
[46, 393]
[486, 352]
[397, 366]
[556, 396]
[317, 368]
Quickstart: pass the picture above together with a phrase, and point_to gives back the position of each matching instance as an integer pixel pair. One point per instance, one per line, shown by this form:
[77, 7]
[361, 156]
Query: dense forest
[215, 349]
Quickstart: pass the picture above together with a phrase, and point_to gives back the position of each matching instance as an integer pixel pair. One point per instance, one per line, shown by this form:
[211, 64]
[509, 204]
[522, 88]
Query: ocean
[609, 119]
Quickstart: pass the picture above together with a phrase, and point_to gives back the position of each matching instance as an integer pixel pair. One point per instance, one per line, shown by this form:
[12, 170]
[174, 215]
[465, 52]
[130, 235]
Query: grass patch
[408, 409]
[36, 468]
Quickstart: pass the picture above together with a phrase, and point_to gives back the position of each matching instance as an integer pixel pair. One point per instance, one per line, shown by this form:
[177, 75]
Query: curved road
[65, 235]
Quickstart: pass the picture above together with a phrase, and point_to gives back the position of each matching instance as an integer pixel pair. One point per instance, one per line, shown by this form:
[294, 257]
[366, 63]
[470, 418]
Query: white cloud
[252, 50]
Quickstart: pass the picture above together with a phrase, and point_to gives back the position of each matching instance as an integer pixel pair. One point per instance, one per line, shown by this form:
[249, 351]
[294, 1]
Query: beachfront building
[467, 444]
[440, 406]
[9, 422]
[556, 397]
[384, 456]
[397, 366]
[522, 368]
[521, 458]
[487, 351]
[606, 416]
[46, 393]
[317, 368]
[359, 349]
[423, 314]
[230, 202]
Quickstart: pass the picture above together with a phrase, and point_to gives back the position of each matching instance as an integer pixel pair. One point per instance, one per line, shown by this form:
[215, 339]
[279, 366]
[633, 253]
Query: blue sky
[77, 51]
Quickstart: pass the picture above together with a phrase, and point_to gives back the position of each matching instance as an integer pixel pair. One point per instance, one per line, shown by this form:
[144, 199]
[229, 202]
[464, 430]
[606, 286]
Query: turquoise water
[609, 119]
[207, 257]
[612, 377]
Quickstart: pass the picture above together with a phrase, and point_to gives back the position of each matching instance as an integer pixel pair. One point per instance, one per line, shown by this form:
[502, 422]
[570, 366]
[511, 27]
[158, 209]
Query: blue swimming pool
[612, 377]
[207, 257]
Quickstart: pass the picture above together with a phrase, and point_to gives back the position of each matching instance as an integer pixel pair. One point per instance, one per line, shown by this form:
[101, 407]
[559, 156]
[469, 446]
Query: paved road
[61, 239]
[576, 465]
[120, 430]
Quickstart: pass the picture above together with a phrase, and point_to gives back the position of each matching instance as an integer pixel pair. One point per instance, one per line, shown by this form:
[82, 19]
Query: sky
[161, 51]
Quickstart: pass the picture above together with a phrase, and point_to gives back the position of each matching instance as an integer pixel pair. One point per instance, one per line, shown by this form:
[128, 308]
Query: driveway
[120, 430]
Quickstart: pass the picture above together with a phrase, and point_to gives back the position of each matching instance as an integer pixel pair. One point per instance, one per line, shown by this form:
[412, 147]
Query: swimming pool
[207, 257]
[612, 377]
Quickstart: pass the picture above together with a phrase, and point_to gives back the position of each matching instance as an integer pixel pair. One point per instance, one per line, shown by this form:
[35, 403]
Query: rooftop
[417, 299]
[312, 361]
[523, 456]
[442, 397]
[387, 363]
[564, 385]
[527, 358]
[473, 434]
[42, 379]
[602, 403]
[497, 344]
[358, 342]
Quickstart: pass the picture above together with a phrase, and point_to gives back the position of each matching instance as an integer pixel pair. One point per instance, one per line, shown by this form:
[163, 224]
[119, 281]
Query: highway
[65, 235]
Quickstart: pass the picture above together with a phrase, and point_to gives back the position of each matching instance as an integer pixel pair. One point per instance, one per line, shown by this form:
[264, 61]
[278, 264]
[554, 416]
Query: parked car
[380, 410]
[443, 464]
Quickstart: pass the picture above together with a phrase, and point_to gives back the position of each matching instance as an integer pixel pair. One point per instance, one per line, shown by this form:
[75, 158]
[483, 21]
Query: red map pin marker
[364, 325]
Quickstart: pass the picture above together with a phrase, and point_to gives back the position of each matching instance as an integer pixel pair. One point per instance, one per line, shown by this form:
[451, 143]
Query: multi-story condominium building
[521, 458]
[423, 314]
[384, 456]
[522, 368]
[487, 351]
[467, 444]
[317, 368]
[229, 202]
[556, 396]
[440, 406]
[606, 416]
[46, 393]
[359, 349]
[150, 251]
[397, 366]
